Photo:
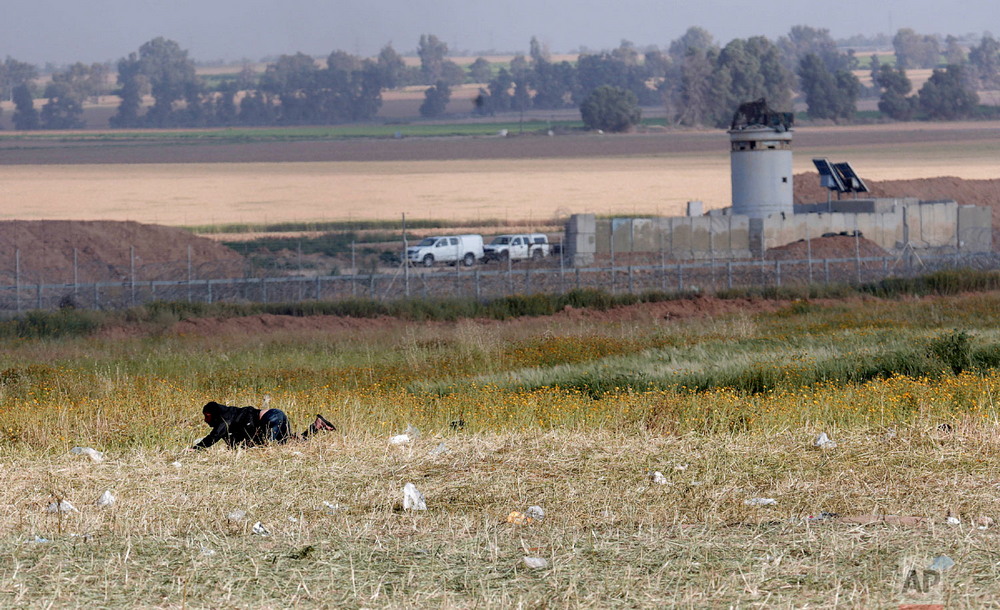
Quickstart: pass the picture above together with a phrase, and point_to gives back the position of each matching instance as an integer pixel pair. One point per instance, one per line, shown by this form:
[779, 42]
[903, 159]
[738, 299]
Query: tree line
[697, 80]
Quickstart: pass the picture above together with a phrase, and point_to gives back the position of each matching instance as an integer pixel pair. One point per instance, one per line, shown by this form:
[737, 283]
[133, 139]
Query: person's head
[211, 412]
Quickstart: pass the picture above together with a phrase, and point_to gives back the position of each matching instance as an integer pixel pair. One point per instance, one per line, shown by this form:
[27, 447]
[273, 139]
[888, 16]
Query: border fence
[140, 284]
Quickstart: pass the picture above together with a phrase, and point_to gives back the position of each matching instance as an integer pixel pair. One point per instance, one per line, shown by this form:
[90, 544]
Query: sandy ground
[526, 178]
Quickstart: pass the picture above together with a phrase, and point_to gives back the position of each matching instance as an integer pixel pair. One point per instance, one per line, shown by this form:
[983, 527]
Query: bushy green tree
[895, 102]
[480, 71]
[985, 60]
[25, 116]
[947, 95]
[436, 99]
[916, 50]
[610, 109]
[64, 110]
[829, 95]
[432, 53]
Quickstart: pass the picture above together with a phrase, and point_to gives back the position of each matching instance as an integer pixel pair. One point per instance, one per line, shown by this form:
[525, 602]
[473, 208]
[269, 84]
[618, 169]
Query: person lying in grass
[250, 426]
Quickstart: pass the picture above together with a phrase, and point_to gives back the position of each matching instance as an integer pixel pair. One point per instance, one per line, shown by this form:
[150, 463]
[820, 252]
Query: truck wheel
[428, 260]
[469, 259]
[536, 255]
[504, 255]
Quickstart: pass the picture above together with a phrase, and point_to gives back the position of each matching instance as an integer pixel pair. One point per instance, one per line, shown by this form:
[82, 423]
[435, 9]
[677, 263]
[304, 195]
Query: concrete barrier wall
[892, 224]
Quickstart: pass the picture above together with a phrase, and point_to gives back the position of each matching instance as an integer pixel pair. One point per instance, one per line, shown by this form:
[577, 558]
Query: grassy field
[570, 412]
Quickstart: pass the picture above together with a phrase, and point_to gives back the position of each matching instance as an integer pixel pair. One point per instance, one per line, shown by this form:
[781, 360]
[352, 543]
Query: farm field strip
[201, 194]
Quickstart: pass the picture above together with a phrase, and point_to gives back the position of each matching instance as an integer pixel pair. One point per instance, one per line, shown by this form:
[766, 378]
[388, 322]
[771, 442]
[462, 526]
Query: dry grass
[611, 537]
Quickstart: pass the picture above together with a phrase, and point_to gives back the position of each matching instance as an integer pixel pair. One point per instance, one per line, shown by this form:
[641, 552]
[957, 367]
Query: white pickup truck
[466, 249]
[517, 247]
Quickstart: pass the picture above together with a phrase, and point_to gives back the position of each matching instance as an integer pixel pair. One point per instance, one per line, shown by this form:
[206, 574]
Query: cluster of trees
[699, 82]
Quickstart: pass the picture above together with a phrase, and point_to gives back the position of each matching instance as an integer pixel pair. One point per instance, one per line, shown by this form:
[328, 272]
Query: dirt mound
[50, 250]
[836, 246]
[965, 192]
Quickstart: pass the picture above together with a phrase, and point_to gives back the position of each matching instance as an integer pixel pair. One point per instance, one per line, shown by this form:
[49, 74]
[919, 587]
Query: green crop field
[572, 408]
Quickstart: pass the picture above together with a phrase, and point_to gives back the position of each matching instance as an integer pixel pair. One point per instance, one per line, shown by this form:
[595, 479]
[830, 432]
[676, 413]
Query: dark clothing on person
[272, 427]
[244, 426]
[250, 426]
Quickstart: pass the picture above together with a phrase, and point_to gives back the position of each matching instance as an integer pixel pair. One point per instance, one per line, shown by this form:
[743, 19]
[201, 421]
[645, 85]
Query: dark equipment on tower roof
[758, 114]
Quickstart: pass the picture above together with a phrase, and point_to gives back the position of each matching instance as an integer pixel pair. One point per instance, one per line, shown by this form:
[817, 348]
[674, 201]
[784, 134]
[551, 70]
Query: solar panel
[829, 176]
[850, 178]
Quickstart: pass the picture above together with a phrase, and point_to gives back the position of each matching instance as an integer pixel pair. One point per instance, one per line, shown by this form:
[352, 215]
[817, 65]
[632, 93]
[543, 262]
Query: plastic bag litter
[410, 434]
[37, 540]
[412, 498]
[107, 498]
[90, 452]
[237, 515]
[176, 464]
[760, 501]
[207, 551]
[333, 508]
[658, 478]
[536, 563]
[941, 563]
[439, 450]
[824, 442]
[535, 512]
[61, 507]
[260, 530]
[953, 521]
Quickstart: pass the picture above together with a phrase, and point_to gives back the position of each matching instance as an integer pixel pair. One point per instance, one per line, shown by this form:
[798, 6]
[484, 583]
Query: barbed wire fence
[24, 287]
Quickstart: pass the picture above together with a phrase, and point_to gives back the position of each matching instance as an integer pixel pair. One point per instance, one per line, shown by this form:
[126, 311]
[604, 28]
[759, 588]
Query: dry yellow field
[471, 189]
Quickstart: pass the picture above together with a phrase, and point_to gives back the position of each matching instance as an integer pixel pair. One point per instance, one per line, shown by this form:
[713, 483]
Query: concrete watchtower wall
[761, 170]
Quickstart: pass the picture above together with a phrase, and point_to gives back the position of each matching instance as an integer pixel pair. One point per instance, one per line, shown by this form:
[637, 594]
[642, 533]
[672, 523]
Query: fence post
[131, 255]
[189, 274]
[729, 275]
[680, 278]
[209, 291]
[38, 294]
[478, 287]
[630, 287]
[17, 278]
[777, 273]
[826, 270]
[76, 273]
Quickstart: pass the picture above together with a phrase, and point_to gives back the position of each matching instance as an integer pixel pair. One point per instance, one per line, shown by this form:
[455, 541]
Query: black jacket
[235, 425]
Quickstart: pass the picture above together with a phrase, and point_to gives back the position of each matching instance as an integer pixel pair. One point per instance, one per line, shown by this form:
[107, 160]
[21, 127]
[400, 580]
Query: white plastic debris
[236, 515]
[293, 519]
[439, 450]
[333, 508]
[535, 512]
[37, 540]
[61, 507]
[536, 563]
[107, 498]
[824, 442]
[953, 521]
[400, 439]
[658, 478]
[681, 467]
[176, 464]
[260, 530]
[760, 501]
[90, 452]
[412, 498]
[207, 551]
[941, 563]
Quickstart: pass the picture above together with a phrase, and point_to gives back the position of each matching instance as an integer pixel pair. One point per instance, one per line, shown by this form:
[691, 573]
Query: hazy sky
[64, 31]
